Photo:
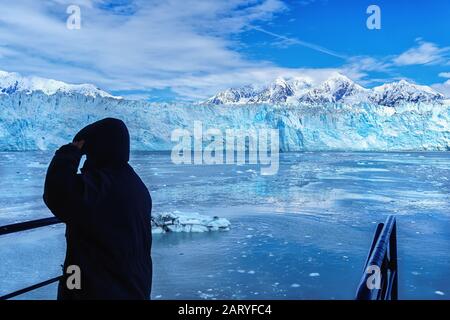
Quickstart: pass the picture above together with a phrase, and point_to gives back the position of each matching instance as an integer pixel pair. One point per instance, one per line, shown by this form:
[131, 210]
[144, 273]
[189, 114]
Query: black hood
[107, 143]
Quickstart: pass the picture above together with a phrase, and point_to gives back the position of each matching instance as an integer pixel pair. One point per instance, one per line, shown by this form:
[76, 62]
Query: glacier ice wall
[43, 122]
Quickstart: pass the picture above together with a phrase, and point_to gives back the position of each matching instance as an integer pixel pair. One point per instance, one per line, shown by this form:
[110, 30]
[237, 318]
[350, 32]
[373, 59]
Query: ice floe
[187, 222]
[36, 164]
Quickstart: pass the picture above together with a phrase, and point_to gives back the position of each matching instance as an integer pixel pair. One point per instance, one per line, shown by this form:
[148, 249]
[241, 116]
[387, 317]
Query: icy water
[301, 234]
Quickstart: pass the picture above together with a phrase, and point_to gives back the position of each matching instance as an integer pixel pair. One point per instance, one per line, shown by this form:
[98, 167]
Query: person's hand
[79, 144]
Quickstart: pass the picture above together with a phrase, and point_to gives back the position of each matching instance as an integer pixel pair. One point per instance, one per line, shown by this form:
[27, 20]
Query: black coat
[107, 211]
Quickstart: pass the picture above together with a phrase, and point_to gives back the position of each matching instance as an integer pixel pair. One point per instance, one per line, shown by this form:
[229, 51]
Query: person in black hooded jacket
[106, 210]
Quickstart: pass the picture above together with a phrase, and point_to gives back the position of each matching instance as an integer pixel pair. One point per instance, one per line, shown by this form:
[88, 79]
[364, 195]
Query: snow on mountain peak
[337, 88]
[337, 77]
[299, 84]
[234, 95]
[297, 89]
[390, 94]
[280, 81]
[11, 82]
[283, 90]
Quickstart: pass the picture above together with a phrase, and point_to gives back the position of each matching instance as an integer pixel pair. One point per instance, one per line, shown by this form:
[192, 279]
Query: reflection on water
[301, 234]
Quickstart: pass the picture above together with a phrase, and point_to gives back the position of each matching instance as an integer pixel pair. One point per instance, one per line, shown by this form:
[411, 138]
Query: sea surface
[303, 233]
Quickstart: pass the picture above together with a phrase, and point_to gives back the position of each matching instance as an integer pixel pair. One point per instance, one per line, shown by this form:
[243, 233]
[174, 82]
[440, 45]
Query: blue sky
[190, 49]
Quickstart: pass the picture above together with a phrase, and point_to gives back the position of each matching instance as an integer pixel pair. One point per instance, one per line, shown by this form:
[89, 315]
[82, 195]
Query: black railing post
[393, 261]
[382, 258]
[28, 225]
[30, 288]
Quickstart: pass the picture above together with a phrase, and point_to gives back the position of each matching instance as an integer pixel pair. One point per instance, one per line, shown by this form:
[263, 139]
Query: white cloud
[423, 53]
[176, 44]
[360, 66]
[212, 83]
[443, 88]
[285, 41]
[187, 46]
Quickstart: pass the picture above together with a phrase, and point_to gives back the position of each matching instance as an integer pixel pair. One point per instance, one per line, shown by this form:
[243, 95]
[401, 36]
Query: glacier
[336, 115]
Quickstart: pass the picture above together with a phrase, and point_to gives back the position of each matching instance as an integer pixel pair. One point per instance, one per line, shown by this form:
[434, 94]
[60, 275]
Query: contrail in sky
[302, 43]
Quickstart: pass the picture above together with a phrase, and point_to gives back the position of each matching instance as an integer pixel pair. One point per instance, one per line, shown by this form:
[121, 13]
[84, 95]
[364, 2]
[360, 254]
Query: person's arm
[63, 190]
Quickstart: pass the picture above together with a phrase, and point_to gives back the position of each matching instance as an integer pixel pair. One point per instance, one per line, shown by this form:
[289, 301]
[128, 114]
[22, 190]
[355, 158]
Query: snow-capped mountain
[280, 91]
[402, 91]
[240, 95]
[336, 89]
[11, 82]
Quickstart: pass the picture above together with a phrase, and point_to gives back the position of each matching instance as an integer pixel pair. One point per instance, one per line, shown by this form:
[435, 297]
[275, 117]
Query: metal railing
[23, 226]
[382, 259]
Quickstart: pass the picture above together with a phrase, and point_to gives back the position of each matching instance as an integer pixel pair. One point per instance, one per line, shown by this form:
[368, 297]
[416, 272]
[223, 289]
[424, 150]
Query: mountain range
[336, 89]
[11, 82]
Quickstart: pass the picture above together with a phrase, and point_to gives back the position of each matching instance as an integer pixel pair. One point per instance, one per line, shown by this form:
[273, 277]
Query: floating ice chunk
[440, 293]
[295, 285]
[156, 230]
[205, 295]
[36, 164]
[314, 274]
[187, 222]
